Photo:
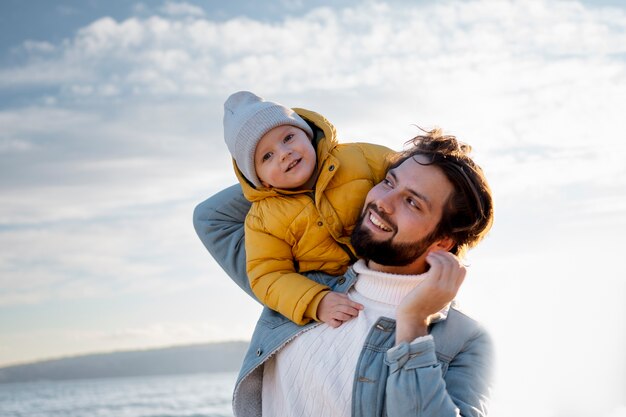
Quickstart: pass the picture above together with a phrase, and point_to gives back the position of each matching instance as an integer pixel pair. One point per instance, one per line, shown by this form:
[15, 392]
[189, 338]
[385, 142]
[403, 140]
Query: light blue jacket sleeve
[219, 223]
[416, 387]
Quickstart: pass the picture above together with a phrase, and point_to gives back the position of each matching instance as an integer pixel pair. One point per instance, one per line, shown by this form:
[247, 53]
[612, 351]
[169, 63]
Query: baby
[306, 191]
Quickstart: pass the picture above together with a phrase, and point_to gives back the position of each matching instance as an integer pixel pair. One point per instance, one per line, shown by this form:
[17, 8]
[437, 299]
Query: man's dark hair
[468, 213]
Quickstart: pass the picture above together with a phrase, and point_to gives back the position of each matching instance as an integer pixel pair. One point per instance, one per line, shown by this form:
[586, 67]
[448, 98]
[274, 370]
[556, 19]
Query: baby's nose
[285, 153]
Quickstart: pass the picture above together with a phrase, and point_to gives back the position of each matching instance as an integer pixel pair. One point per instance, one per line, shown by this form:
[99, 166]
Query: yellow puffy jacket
[287, 231]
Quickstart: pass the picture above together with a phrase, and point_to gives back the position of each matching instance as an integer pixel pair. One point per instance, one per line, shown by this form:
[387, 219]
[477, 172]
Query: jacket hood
[324, 140]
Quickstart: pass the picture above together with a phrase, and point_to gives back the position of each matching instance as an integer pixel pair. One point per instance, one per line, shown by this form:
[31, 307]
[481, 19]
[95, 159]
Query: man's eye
[413, 203]
[288, 138]
[266, 156]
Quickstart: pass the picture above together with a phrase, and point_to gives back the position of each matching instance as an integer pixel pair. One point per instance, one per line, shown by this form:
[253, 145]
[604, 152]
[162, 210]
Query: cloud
[127, 252]
[85, 163]
[35, 47]
[181, 9]
[135, 123]
[372, 45]
[185, 331]
[136, 117]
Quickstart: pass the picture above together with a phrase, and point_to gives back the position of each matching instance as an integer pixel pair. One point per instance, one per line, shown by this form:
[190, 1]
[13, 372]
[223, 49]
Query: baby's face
[285, 158]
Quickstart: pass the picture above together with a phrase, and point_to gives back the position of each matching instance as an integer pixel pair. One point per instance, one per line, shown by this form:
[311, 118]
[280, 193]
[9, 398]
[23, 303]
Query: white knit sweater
[313, 374]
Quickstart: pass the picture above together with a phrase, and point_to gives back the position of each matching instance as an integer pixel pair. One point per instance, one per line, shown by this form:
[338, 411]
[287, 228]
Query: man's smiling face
[396, 228]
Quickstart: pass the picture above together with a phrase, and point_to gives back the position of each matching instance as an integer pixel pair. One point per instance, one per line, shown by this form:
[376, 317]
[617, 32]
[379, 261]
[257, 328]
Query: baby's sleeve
[273, 276]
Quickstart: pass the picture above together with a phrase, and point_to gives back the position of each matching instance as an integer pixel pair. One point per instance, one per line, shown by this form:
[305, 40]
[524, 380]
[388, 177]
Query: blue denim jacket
[446, 375]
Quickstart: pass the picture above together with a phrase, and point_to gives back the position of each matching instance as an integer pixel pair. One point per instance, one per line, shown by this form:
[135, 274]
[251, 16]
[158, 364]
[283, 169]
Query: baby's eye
[288, 138]
[266, 156]
[387, 182]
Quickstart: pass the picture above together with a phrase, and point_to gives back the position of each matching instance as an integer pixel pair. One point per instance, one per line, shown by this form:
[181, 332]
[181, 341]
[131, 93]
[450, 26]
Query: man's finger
[450, 266]
[435, 265]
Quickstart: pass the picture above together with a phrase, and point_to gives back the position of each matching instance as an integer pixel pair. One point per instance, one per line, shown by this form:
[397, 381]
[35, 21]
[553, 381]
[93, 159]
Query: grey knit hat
[247, 117]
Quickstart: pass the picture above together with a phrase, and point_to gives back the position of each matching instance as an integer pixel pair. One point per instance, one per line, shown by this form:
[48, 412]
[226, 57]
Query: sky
[111, 133]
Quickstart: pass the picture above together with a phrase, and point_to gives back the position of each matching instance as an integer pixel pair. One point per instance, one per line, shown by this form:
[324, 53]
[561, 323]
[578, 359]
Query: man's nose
[385, 202]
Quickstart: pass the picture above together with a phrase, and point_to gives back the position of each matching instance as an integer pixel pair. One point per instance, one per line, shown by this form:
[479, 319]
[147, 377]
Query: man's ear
[445, 244]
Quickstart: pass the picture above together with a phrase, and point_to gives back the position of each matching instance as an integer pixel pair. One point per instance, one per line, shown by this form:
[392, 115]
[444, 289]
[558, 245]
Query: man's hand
[444, 279]
[335, 308]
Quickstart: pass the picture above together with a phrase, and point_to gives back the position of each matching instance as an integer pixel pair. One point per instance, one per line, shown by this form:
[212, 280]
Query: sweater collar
[388, 288]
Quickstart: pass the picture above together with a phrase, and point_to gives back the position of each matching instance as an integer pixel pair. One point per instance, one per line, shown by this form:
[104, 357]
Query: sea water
[201, 395]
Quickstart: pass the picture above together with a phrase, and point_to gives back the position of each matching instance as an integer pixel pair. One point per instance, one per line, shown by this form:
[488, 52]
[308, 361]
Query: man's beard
[387, 252]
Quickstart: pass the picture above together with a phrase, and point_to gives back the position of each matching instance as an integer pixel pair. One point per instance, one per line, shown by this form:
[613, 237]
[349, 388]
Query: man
[410, 351]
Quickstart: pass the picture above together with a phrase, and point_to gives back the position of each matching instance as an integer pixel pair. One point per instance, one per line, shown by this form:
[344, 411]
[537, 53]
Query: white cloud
[8, 144]
[137, 122]
[372, 45]
[181, 9]
[144, 251]
[537, 87]
[86, 164]
[189, 332]
[39, 47]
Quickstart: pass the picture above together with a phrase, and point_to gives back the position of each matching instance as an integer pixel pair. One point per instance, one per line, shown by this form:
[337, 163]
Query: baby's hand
[336, 307]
